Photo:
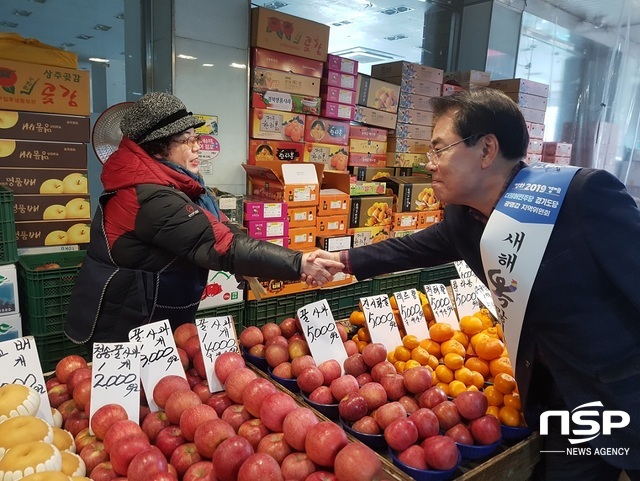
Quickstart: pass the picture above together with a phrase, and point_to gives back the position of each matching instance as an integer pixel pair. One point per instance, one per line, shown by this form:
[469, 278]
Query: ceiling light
[120, 16]
[186, 57]
[67, 45]
[22, 13]
[237, 65]
[398, 36]
[366, 55]
[84, 37]
[98, 60]
[38, 1]
[275, 5]
[8, 24]
[102, 28]
[207, 65]
[342, 22]
[394, 10]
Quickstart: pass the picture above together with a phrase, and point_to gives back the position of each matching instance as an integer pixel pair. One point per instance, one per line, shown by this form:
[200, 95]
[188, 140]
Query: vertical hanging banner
[159, 356]
[411, 313]
[464, 297]
[20, 364]
[115, 377]
[217, 335]
[381, 321]
[441, 304]
[321, 333]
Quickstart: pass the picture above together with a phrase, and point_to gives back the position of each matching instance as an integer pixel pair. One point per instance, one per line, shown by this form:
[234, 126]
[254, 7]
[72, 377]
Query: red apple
[103, 472]
[283, 370]
[274, 408]
[210, 434]
[168, 385]
[229, 456]
[67, 365]
[200, 471]
[471, 404]
[184, 358]
[409, 403]
[373, 353]
[200, 365]
[279, 340]
[440, 452]
[125, 450]
[364, 378]
[417, 379]
[354, 365]
[142, 413]
[153, 423]
[255, 392]
[183, 332]
[76, 422]
[357, 462]
[236, 381]
[297, 466]
[300, 363]
[270, 329]
[344, 335]
[297, 348]
[78, 375]
[226, 363]
[401, 434]
[168, 439]
[288, 327]
[202, 390]
[310, 378]
[276, 354]
[380, 369]
[260, 466]
[343, 385]
[366, 425]
[192, 346]
[426, 421]
[145, 464]
[67, 408]
[253, 430]
[83, 438]
[219, 401]
[105, 416]
[193, 417]
[413, 457]
[350, 346]
[275, 446]
[52, 381]
[183, 457]
[321, 476]
[447, 413]
[324, 441]
[296, 425]
[58, 394]
[251, 336]
[330, 370]
[93, 454]
[258, 350]
[322, 395]
[119, 430]
[387, 413]
[166, 476]
[431, 397]
[235, 415]
[394, 385]
[82, 393]
[485, 429]
[352, 407]
[460, 434]
[179, 402]
[374, 394]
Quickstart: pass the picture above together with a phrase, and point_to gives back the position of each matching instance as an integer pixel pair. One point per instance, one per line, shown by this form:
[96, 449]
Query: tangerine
[444, 373]
[513, 400]
[477, 379]
[465, 375]
[461, 337]
[444, 386]
[494, 397]
[505, 383]
[432, 347]
[502, 364]
[391, 356]
[361, 346]
[489, 349]
[411, 363]
[441, 332]
[473, 388]
[433, 361]
[363, 334]
[452, 346]
[478, 365]
[402, 353]
[410, 341]
[453, 360]
[357, 318]
[509, 416]
[421, 355]
[494, 411]
[471, 325]
[485, 316]
[400, 366]
[456, 387]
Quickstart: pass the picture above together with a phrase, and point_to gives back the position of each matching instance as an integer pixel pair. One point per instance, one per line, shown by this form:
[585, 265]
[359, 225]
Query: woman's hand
[319, 267]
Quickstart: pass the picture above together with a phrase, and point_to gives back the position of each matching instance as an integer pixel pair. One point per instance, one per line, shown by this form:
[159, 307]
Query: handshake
[319, 267]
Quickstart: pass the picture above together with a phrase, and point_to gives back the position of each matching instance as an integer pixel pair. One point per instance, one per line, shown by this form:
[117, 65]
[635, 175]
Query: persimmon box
[326, 131]
[296, 184]
[334, 157]
[276, 125]
[261, 150]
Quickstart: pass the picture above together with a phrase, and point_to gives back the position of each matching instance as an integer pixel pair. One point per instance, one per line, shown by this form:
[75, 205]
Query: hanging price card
[320, 330]
[483, 295]
[464, 296]
[411, 313]
[159, 356]
[217, 335]
[441, 304]
[381, 321]
[464, 271]
[20, 364]
[115, 377]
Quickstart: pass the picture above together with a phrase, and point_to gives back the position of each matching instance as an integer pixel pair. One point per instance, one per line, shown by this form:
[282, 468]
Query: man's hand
[319, 267]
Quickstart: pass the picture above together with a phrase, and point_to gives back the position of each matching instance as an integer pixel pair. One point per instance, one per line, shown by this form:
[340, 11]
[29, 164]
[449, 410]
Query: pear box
[47, 127]
[51, 207]
[222, 288]
[8, 291]
[45, 181]
[42, 155]
[52, 233]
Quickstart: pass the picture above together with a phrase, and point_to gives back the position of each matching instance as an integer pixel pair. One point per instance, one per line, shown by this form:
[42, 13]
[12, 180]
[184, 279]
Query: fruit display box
[261, 209]
[8, 245]
[276, 125]
[377, 94]
[44, 181]
[271, 59]
[51, 207]
[47, 127]
[368, 133]
[334, 157]
[41, 155]
[277, 80]
[407, 70]
[278, 150]
[417, 86]
[52, 233]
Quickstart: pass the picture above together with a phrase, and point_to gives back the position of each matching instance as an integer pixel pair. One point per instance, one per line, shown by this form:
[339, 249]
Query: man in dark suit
[580, 337]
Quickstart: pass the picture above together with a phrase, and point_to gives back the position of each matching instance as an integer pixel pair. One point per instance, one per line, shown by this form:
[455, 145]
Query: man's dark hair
[487, 111]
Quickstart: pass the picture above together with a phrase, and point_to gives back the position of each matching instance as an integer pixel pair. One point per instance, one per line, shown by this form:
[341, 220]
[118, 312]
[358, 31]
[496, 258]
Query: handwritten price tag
[464, 296]
[411, 313]
[217, 335]
[320, 330]
[159, 356]
[464, 271]
[441, 304]
[115, 377]
[20, 364]
[381, 321]
[483, 294]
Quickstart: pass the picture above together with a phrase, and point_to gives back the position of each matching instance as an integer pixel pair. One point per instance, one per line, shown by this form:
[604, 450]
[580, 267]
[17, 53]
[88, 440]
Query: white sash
[515, 239]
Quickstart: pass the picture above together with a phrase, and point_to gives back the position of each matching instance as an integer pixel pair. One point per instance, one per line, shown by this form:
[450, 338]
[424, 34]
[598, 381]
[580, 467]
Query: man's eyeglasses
[433, 155]
[190, 141]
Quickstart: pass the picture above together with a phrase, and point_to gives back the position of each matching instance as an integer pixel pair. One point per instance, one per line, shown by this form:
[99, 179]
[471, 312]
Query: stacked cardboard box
[377, 102]
[556, 153]
[468, 79]
[338, 90]
[326, 141]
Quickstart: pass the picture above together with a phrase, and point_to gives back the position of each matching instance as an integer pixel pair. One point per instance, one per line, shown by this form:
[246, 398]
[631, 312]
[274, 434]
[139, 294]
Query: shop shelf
[438, 274]
[236, 310]
[44, 294]
[400, 281]
[275, 309]
[8, 244]
[344, 299]
[53, 347]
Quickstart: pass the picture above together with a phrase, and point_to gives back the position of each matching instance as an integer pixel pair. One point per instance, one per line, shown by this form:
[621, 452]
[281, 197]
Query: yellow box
[15, 47]
[363, 236]
[367, 146]
[332, 224]
[279, 288]
[294, 183]
[302, 237]
[276, 125]
[377, 94]
[371, 211]
[334, 157]
[41, 88]
[52, 207]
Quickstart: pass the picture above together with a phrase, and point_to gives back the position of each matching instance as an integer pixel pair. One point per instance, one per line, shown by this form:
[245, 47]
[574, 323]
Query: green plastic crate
[236, 310]
[400, 281]
[44, 295]
[8, 244]
[438, 274]
[275, 309]
[344, 300]
[53, 347]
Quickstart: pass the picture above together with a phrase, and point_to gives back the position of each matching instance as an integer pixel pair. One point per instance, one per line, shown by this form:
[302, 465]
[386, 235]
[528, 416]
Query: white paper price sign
[483, 295]
[320, 330]
[464, 297]
[441, 304]
[217, 335]
[381, 321]
[159, 356]
[464, 271]
[411, 313]
[115, 377]
[20, 364]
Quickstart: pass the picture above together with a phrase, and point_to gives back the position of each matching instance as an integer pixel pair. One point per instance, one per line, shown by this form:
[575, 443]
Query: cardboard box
[10, 327]
[414, 101]
[410, 146]
[340, 80]
[367, 146]
[263, 229]
[222, 288]
[9, 302]
[364, 236]
[371, 211]
[231, 205]
[51, 207]
[371, 173]
[329, 93]
[332, 224]
[404, 221]
[267, 79]
[338, 111]
[450, 89]
[334, 157]
[326, 131]
[532, 115]
[403, 233]
[52, 233]
[413, 193]
[261, 209]
[522, 86]
[302, 237]
[533, 158]
[287, 63]
[535, 146]
[359, 187]
[377, 94]
[43, 88]
[368, 133]
[365, 159]
[555, 159]
[42, 155]
[296, 184]
[404, 159]
[403, 171]
[45, 181]
[412, 116]
[276, 125]
[284, 101]
[342, 64]
[411, 131]
[276, 288]
[261, 150]
[377, 118]
[280, 241]
[536, 131]
[429, 217]
[46, 127]
[333, 202]
[334, 243]
[417, 86]
[478, 77]
[278, 31]
[534, 102]
[558, 149]
[404, 69]
[301, 217]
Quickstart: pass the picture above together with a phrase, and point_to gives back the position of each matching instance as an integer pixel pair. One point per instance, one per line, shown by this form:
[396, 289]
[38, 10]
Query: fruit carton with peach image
[276, 125]
[222, 288]
[410, 146]
[44, 181]
[48, 127]
[52, 233]
[42, 155]
[51, 207]
[413, 194]
[326, 131]
[377, 94]
[268, 79]
[334, 157]
[294, 183]
[371, 173]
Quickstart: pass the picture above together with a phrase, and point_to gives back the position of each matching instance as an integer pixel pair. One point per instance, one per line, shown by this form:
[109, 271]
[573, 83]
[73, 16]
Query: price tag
[411, 313]
[320, 330]
[441, 304]
[159, 356]
[483, 294]
[115, 377]
[217, 335]
[381, 321]
[20, 364]
[464, 271]
[464, 296]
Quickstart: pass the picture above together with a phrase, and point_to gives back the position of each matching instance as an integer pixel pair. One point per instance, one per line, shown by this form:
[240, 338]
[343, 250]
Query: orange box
[43, 88]
[377, 94]
[261, 150]
[405, 220]
[278, 31]
[326, 131]
[332, 224]
[276, 125]
[279, 288]
[334, 194]
[429, 217]
[301, 217]
[302, 237]
[294, 183]
[334, 243]
[334, 157]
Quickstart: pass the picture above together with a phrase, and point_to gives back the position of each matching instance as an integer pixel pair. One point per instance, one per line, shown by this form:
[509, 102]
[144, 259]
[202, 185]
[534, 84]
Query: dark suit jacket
[583, 317]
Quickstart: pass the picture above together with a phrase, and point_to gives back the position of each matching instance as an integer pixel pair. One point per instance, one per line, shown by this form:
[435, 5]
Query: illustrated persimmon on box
[222, 288]
[334, 157]
[296, 184]
[44, 88]
[276, 125]
[261, 150]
